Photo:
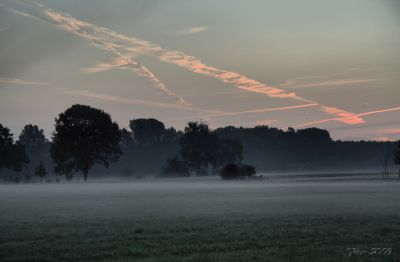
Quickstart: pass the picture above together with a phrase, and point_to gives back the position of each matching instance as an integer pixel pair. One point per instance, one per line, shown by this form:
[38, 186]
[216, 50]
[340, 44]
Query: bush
[248, 170]
[234, 171]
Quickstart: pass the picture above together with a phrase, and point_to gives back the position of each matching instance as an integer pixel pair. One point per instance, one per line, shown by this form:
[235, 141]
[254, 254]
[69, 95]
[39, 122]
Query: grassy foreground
[200, 220]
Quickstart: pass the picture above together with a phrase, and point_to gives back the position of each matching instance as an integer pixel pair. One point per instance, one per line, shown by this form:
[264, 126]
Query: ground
[291, 219]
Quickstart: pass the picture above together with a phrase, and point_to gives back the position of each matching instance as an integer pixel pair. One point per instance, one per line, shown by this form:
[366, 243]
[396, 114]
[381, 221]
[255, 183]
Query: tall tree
[147, 131]
[12, 155]
[32, 136]
[37, 147]
[397, 156]
[226, 151]
[197, 147]
[83, 137]
[41, 171]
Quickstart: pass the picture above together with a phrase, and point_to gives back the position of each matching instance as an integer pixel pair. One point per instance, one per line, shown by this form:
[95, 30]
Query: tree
[83, 137]
[41, 171]
[147, 131]
[226, 151]
[198, 146]
[175, 168]
[397, 156]
[37, 147]
[32, 136]
[12, 155]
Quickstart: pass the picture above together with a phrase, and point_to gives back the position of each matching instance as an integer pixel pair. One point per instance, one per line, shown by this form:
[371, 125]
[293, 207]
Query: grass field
[201, 220]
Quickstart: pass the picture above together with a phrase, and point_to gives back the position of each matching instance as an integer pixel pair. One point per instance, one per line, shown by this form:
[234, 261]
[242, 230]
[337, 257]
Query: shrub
[248, 170]
[234, 171]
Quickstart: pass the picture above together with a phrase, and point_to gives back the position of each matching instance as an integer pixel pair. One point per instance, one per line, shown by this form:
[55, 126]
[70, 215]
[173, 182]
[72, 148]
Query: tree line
[86, 140]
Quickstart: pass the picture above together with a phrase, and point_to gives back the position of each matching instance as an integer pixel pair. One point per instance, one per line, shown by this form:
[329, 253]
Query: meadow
[202, 219]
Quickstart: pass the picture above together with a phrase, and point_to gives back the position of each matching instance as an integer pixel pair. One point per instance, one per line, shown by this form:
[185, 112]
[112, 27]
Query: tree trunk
[85, 175]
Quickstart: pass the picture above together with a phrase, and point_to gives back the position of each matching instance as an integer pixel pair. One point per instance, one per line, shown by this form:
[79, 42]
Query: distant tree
[397, 156]
[175, 168]
[12, 155]
[41, 171]
[83, 137]
[147, 131]
[198, 147]
[387, 155]
[226, 151]
[32, 136]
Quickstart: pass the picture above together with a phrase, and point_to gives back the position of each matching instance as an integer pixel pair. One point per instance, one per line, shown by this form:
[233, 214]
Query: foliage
[200, 148]
[147, 131]
[41, 171]
[31, 136]
[234, 171]
[12, 155]
[397, 155]
[83, 137]
[175, 168]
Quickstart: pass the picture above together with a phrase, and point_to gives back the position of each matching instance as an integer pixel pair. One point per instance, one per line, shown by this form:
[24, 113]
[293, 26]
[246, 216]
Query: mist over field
[200, 220]
[197, 131]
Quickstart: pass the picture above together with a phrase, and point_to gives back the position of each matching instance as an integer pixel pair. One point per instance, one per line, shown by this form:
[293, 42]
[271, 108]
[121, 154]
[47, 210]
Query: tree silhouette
[175, 168]
[226, 151]
[41, 171]
[83, 137]
[198, 146]
[397, 156]
[12, 155]
[147, 131]
[32, 136]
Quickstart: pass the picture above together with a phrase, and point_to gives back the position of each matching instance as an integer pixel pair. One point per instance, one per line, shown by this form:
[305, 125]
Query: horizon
[332, 66]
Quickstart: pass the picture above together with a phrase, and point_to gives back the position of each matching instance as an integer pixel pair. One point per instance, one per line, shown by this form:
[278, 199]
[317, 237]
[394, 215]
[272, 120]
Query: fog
[199, 196]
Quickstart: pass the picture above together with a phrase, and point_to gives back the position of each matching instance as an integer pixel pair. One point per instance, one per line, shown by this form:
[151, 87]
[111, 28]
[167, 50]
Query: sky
[313, 63]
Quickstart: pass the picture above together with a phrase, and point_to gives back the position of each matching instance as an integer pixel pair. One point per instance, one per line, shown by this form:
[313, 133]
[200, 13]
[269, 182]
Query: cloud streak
[130, 101]
[111, 98]
[130, 48]
[192, 30]
[339, 82]
[16, 81]
[98, 37]
[353, 118]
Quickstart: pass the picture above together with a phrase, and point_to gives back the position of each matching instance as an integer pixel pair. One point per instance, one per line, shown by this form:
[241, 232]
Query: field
[291, 219]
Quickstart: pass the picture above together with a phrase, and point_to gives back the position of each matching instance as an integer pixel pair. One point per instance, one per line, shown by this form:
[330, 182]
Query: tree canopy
[31, 136]
[83, 137]
[201, 148]
[397, 155]
[12, 155]
[147, 131]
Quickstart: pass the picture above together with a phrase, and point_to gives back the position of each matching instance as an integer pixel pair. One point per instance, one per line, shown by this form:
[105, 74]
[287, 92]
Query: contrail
[251, 111]
[131, 47]
[82, 29]
[350, 118]
[113, 98]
